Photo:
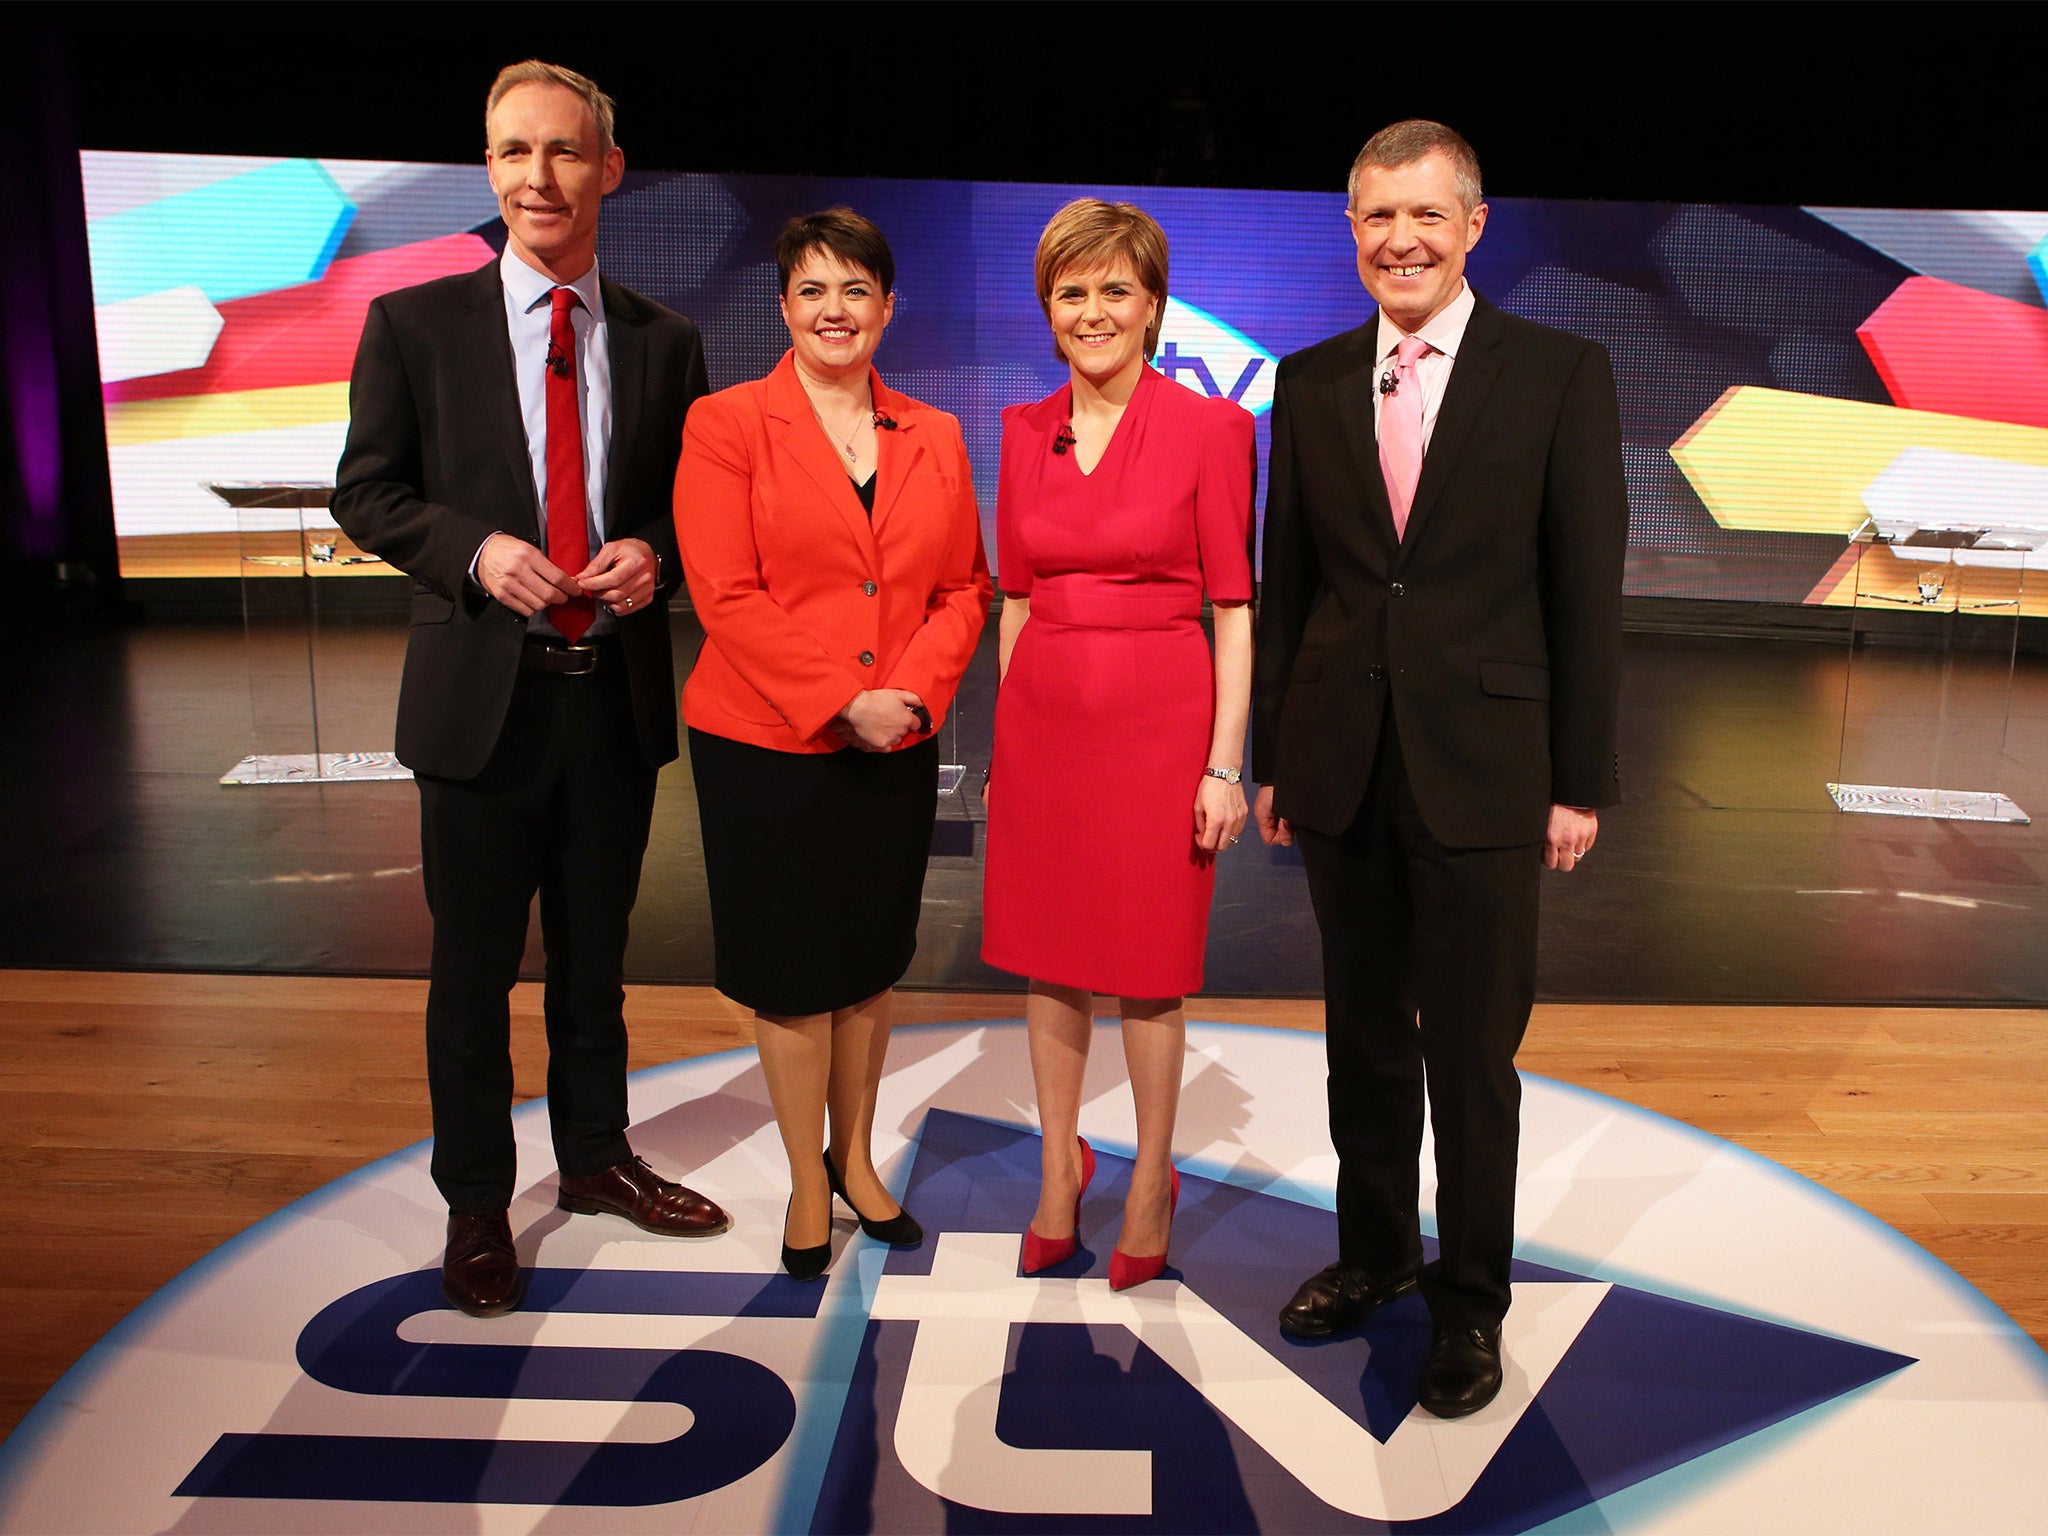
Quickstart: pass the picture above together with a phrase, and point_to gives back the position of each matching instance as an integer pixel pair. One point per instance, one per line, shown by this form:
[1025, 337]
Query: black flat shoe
[1462, 1374]
[899, 1231]
[803, 1263]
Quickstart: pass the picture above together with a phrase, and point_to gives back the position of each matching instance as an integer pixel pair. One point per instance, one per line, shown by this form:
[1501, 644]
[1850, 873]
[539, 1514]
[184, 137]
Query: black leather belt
[558, 658]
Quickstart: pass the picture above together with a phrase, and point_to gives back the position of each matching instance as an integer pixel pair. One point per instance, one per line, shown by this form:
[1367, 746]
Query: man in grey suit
[1434, 723]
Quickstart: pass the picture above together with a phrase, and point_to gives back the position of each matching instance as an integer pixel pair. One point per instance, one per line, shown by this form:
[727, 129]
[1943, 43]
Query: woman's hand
[878, 719]
[1219, 813]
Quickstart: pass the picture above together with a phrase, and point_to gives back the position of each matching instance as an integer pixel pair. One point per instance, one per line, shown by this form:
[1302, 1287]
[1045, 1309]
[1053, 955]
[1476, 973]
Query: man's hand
[521, 577]
[621, 575]
[1571, 836]
[1272, 829]
[877, 719]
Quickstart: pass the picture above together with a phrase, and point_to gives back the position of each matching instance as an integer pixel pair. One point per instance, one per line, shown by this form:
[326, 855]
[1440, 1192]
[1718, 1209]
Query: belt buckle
[583, 657]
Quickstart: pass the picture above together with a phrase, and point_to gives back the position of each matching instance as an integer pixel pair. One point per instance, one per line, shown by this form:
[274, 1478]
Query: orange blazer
[804, 602]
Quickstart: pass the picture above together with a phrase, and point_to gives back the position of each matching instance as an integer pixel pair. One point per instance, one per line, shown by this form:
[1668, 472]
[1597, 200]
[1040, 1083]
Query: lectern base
[307, 768]
[1950, 804]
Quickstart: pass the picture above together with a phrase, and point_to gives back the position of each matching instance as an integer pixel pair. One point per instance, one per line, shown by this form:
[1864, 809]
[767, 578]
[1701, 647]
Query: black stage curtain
[56, 505]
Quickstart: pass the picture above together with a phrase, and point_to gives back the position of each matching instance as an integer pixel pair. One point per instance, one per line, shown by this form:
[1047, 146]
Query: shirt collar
[529, 289]
[1444, 333]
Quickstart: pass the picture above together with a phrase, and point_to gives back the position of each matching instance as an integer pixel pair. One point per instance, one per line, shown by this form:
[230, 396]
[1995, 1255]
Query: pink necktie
[568, 505]
[1401, 432]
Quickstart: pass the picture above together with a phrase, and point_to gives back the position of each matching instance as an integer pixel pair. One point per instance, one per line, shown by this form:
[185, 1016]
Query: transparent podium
[1934, 631]
[956, 829]
[289, 553]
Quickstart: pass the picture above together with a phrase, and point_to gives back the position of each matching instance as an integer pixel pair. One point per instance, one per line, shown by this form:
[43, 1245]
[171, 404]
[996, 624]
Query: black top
[865, 490]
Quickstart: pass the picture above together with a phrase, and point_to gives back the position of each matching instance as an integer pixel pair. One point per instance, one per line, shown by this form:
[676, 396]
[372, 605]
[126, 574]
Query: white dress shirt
[529, 311]
[1444, 334]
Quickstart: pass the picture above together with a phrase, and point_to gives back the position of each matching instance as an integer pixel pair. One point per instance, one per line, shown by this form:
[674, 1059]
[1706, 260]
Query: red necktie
[1400, 432]
[568, 504]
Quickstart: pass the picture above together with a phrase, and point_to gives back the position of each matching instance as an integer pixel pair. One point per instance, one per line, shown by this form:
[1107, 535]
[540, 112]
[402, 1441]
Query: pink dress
[1094, 879]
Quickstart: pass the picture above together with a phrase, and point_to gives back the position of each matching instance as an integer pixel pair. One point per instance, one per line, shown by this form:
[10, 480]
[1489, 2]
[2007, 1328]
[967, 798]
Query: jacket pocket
[431, 608]
[1515, 679]
[719, 684]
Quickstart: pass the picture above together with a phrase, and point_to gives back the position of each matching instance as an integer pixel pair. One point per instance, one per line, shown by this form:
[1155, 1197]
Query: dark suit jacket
[436, 462]
[1493, 626]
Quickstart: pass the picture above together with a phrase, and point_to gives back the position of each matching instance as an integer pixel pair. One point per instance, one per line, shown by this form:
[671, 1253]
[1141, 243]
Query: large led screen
[1789, 376]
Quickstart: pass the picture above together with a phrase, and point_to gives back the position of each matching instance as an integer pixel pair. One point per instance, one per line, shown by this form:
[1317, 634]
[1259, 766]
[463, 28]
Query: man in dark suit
[504, 425]
[1434, 722]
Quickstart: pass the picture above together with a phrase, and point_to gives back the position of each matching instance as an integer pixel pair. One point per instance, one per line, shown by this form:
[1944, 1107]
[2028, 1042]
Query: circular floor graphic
[1700, 1341]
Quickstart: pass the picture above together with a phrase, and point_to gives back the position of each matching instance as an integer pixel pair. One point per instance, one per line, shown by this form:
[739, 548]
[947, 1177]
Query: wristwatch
[1227, 775]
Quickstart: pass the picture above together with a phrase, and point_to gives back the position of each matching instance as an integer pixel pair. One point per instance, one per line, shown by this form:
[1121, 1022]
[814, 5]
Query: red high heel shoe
[1127, 1270]
[1044, 1252]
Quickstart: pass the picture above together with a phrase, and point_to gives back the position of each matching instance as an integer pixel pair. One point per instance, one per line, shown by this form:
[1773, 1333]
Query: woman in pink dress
[1122, 499]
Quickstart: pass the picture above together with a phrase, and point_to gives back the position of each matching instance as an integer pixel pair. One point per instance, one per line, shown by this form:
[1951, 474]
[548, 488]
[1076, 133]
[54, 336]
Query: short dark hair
[845, 234]
[1414, 139]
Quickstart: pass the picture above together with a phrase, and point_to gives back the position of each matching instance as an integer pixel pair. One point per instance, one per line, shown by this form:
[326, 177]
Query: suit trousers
[1429, 962]
[561, 808]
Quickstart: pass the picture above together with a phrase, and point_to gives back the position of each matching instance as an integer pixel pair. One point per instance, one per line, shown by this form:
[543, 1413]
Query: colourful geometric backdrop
[1786, 374]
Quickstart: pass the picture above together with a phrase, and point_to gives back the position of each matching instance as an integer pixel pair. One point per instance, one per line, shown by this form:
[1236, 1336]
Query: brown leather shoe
[480, 1270]
[635, 1191]
[1339, 1297]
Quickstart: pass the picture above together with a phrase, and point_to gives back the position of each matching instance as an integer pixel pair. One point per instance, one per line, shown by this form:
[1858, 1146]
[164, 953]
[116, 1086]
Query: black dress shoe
[1462, 1374]
[1338, 1297]
[804, 1263]
[899, 1231]
[480, 1271]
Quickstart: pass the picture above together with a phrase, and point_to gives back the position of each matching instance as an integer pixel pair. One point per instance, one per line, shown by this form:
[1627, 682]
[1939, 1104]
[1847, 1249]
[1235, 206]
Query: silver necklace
[866, 418]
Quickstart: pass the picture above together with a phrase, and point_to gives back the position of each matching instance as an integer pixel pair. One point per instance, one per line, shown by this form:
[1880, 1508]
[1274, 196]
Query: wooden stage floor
[147, 1118]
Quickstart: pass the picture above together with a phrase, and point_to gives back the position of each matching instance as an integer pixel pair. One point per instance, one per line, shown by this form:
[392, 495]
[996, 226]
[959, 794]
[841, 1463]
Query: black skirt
[815, 864]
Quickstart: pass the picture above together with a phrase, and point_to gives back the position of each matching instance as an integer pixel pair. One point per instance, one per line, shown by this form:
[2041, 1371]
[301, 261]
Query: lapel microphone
[1063, 439]
[885, 421]
[558, 361]
[1390, 382]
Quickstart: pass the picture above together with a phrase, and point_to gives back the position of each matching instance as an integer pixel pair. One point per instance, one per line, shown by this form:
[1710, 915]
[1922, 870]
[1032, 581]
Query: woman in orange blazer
[832, 545]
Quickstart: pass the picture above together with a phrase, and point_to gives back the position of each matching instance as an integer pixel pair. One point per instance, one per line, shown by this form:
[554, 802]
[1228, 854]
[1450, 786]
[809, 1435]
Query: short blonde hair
[1088, 235]
[538, 72]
